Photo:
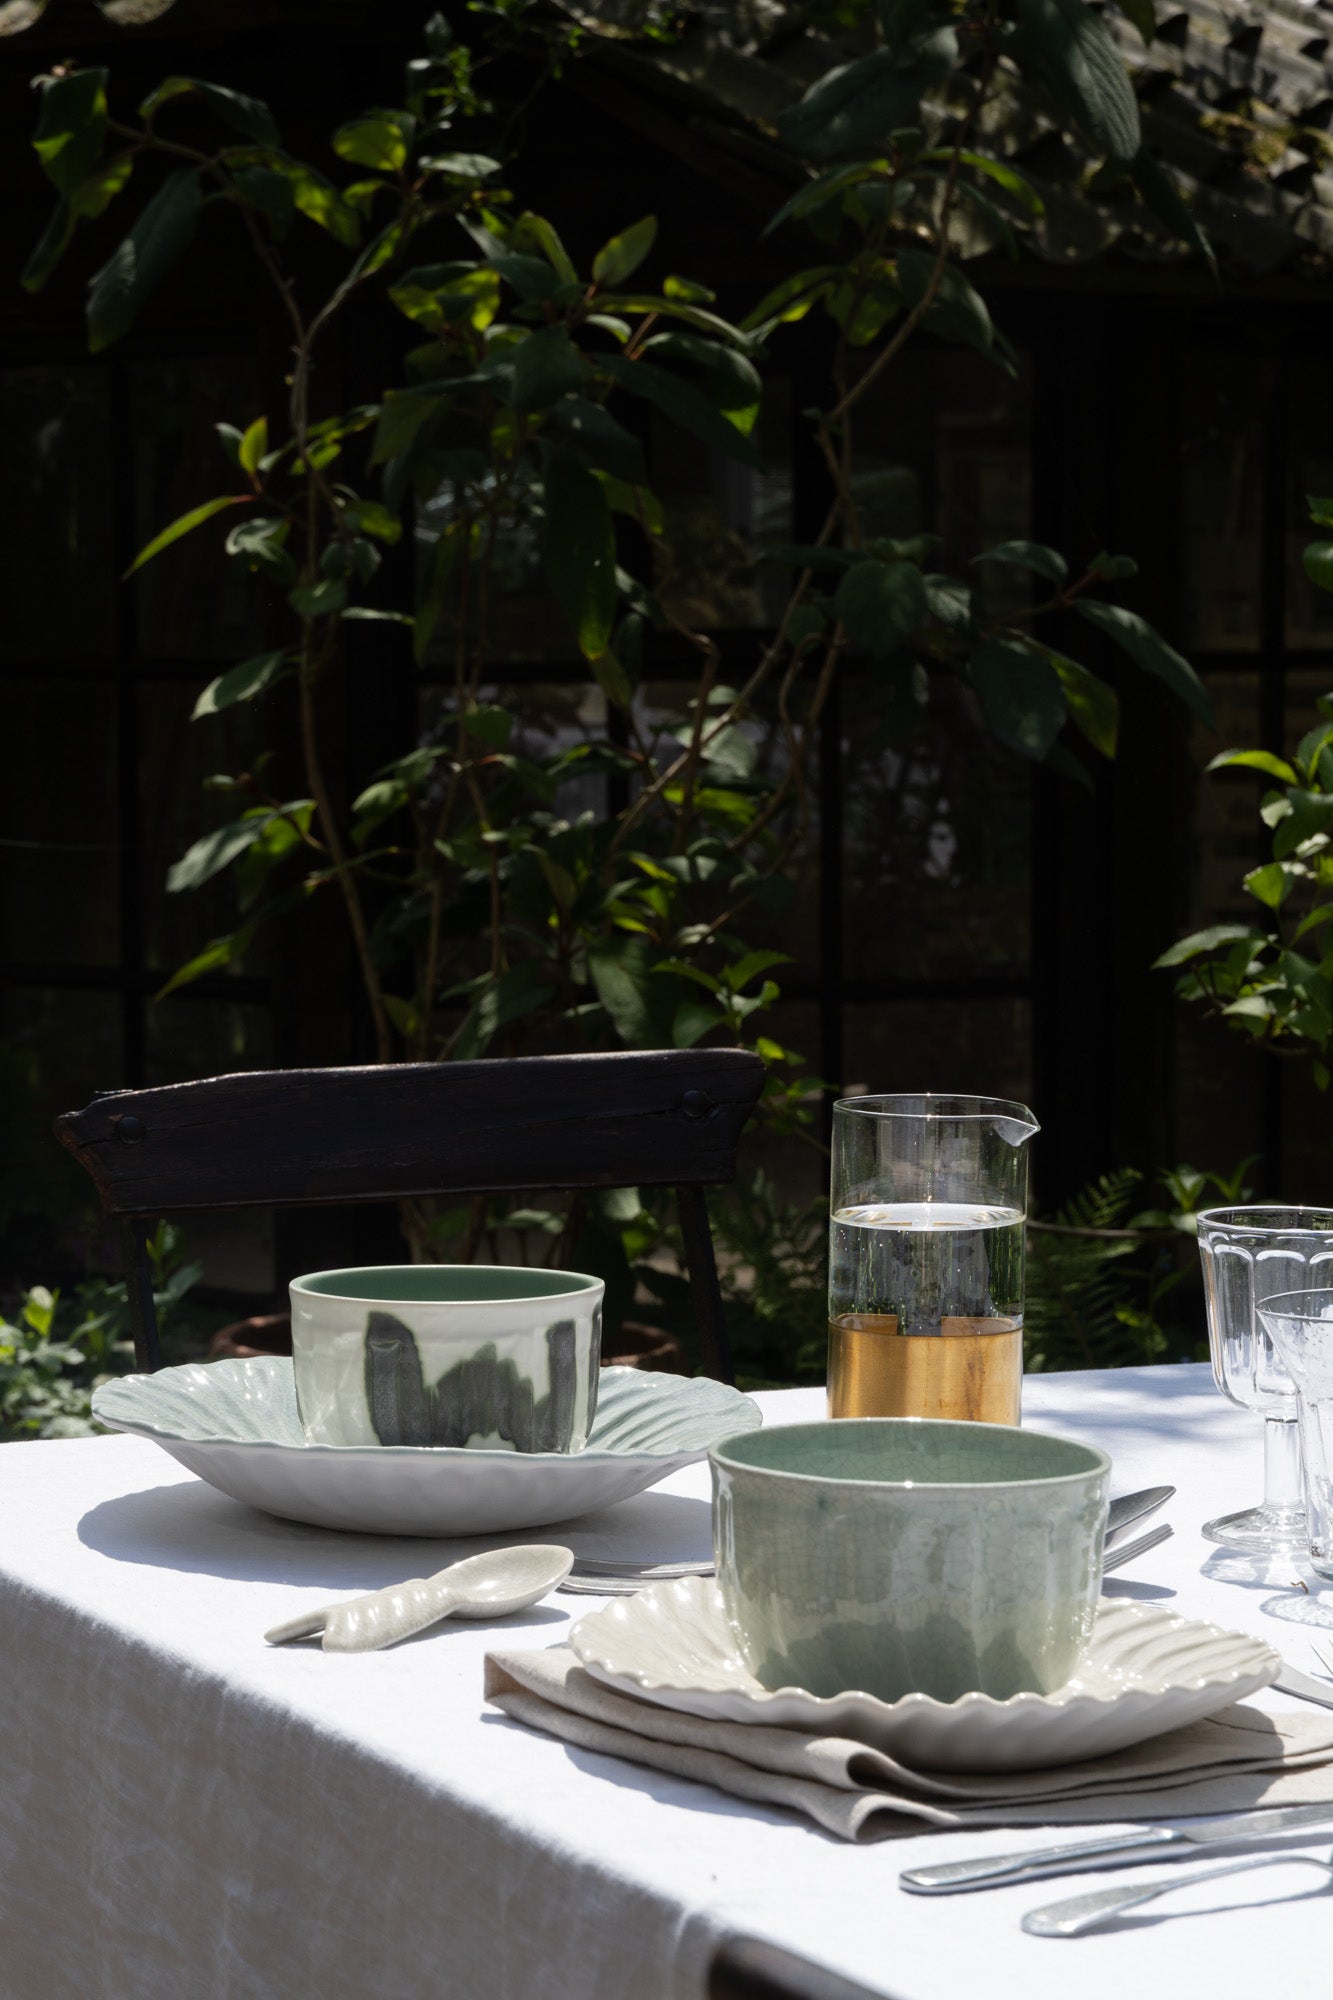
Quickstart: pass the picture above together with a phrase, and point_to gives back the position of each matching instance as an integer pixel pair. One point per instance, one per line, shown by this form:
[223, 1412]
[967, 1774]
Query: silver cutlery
[1131, 1507]
[1292, 1681]
[1127, 1552]
[1078, 1914]
[1325, 1659]
[1114, 1850]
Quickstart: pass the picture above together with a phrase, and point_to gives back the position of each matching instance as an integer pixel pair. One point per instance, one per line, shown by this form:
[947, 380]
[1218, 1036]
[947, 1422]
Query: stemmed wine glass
[1249, 1255]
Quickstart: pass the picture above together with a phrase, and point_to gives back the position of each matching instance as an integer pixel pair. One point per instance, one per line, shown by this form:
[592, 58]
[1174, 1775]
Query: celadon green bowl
[901, 1555]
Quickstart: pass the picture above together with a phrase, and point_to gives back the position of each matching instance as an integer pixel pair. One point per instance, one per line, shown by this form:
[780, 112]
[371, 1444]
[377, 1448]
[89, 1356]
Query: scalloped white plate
[235, 1424]
[1145, 1671]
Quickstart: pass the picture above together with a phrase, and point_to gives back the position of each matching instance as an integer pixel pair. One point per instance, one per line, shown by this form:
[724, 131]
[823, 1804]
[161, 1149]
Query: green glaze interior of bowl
[910, 1451]
[445, 1284]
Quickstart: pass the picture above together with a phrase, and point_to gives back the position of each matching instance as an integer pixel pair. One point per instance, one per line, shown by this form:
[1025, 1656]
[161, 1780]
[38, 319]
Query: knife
[1113, 1851]
[1292, 1681]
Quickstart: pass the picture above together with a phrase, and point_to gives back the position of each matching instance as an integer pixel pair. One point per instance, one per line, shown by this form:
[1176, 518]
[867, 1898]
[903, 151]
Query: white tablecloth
[185, 1813]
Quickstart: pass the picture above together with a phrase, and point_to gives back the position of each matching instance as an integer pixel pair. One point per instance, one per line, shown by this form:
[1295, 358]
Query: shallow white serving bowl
[483, 1356]
[1144, 1671]
[235, 1424]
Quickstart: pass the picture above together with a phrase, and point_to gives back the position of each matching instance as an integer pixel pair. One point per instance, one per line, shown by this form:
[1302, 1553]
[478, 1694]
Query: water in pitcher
[926, 1311]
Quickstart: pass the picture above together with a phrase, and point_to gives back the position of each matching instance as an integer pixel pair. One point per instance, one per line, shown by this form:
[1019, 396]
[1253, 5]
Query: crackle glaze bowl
[482, 1356]
[904, 1555]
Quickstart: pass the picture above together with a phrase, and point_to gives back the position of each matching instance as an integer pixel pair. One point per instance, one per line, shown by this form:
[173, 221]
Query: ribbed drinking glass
[1300, 1325]
[1249, 1255]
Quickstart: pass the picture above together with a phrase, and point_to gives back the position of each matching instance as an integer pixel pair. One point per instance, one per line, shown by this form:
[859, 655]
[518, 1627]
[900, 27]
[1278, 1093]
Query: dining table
[187, 1813]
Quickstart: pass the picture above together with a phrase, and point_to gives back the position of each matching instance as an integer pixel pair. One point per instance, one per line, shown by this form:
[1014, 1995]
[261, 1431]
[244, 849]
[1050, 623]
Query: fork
[1325, 1659]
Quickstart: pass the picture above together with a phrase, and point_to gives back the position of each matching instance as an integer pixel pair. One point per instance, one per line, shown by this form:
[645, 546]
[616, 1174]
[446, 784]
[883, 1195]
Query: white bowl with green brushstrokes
[462, 1356]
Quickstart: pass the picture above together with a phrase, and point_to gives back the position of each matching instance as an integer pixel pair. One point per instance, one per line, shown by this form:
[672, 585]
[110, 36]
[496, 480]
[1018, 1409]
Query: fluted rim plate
[236, 1424]
[1145, 1671]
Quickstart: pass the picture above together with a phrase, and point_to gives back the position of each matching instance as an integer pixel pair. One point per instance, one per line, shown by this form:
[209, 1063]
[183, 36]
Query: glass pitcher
[928, 1206]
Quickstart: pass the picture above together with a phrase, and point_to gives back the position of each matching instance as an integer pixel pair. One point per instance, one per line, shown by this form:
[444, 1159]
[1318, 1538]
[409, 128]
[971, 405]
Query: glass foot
[1264, 1528]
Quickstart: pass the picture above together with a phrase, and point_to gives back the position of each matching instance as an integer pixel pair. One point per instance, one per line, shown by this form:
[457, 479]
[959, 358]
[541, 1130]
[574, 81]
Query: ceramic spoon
[487, 1586]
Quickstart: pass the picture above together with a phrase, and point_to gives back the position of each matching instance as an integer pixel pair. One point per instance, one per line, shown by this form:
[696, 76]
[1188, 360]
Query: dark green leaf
[1318, 561]
[1163, 197]
[51, 246]
[792, 299]
[534, 232]
[949, 601]
[531, 277]
[163, 230]
[833, 181]
[593, 434]
[404, 414]
[379, 140]
[184, 523]
[612, 679]
[272, 194]
[621, 257]
[1254, 760]
[1269, 884]
[547, 365]
[729, 379]
[259, 542]
[240, 683]
[1112, 569]
[578, 550]
[246, 115]
[505, 998]
[1003, 175]
[1150, 652]
[214, 851]
[640, 999]
[1094, 708]
[462, 166]
[681, 402]
[957, 311]
[1070, 49]
[71, 125]
[318, 600]
[1029, 555]
[881, 605]
[1021, 696]
[1208, 940]
[221, 952]
[856, 107]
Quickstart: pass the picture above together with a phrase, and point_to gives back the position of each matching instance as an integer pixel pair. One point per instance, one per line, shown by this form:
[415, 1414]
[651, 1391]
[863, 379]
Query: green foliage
[54, 1351]
[1272, 979]
[1109, 1287]
[488, 913]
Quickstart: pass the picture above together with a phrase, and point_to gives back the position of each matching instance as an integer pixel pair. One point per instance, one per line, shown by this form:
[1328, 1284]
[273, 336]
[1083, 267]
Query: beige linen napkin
[1236, 1760]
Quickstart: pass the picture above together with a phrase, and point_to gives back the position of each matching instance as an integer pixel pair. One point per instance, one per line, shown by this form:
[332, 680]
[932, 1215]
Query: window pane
[1222, 490]
[194, 602]
[59, 884]
[176, 755]
[56, 514]
[937, 870]
[979, 1046]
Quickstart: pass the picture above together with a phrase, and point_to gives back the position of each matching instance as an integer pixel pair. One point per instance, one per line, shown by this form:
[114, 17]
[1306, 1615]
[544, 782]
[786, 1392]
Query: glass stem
[1282, 1465]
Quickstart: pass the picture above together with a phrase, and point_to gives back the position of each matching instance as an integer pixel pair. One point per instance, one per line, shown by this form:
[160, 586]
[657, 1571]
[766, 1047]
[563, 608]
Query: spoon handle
[1077, 1914]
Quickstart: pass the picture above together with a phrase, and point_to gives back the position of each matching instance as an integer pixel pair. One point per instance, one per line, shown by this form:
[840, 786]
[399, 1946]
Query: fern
[1094, 1280]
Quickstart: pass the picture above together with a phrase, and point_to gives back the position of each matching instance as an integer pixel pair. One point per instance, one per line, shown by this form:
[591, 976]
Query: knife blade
[1108, 1851]
[1131, 1507]
[1292, 1681]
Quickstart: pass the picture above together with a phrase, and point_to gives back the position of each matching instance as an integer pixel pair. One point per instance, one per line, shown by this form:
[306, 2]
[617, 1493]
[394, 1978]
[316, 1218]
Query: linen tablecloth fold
[1237, 1760]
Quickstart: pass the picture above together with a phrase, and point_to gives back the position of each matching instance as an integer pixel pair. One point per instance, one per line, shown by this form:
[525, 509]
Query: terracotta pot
[638, 1346]
[244, 1339]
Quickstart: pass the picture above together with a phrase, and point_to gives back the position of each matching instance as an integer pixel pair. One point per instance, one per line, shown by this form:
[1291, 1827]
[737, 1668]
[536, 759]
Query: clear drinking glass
[1300, 1326]
[1249, 1255]
[927, 1213]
